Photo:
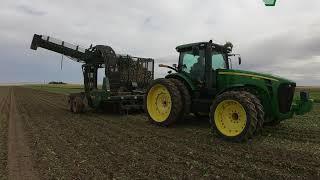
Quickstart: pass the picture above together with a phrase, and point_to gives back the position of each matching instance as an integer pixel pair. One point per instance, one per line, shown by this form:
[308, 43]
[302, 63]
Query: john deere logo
[270, 2]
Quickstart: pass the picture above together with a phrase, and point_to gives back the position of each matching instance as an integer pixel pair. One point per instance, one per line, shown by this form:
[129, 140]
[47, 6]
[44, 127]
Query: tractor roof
[184, 46]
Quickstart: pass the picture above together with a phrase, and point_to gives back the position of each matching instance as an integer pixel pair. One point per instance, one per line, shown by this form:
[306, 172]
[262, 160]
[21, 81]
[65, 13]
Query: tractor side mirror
[239, 58]
[174, 65]
[195, 51]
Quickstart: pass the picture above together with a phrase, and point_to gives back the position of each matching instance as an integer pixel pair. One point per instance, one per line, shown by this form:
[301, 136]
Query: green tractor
[238, 102]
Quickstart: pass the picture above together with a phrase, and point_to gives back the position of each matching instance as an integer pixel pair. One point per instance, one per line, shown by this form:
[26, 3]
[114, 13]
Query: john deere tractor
[238, 103]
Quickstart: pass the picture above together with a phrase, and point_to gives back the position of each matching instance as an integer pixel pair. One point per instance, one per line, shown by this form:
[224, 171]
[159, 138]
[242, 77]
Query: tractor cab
[199, 62]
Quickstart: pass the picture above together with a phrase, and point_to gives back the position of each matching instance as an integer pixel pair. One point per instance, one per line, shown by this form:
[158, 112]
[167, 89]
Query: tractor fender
[262, 93]
[184, 79]
[260, 90]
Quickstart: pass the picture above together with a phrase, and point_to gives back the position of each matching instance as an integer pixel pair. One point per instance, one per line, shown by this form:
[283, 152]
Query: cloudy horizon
[283, 40]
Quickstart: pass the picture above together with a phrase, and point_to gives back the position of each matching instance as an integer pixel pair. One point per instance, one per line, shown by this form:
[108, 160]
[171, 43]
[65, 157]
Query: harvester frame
[124, 82]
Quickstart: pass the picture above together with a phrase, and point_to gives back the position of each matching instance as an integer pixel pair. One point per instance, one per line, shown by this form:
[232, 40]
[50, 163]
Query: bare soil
[19, 155]
[61, 145]
[4, 109]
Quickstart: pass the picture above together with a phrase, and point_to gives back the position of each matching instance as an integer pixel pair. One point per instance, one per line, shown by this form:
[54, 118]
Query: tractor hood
[253, 75]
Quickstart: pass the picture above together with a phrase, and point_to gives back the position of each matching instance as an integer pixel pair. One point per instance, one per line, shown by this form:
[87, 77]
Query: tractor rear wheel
[185, 97]
[233, 116]
[163, 102]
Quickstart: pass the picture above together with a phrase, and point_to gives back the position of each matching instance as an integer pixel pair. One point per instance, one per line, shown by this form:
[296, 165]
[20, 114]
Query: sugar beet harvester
[126, 77]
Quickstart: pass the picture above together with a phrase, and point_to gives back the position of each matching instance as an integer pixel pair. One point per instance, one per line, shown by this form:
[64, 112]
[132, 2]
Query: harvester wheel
[70, 103]
[185, 97]
[77, 105]
[163, 102]
[233, 116]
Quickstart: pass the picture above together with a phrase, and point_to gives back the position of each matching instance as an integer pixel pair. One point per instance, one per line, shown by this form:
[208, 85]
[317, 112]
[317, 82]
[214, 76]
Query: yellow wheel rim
[159, 103]
[230, 118]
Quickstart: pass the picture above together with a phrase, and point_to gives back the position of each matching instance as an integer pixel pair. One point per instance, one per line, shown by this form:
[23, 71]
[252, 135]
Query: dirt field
[40, 138]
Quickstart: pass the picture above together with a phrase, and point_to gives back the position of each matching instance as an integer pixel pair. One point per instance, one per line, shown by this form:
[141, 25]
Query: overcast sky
[282, 40]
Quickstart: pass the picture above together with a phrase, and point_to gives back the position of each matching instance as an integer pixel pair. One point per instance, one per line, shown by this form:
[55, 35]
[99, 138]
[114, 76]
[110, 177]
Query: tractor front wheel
[233, 116]
[163, 102]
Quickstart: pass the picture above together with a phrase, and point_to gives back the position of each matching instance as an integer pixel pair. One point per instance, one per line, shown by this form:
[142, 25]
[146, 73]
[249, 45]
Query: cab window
[194, 65]
[188, 61]
[218, 61]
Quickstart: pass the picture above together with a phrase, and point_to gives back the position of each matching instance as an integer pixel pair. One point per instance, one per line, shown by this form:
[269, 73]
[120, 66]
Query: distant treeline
[56, 82]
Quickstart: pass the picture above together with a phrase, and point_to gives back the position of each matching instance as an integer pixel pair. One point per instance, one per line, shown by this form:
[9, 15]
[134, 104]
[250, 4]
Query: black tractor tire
[150, 98]
[260, 111]
[78, 105]
[185, 97]
[247, 103]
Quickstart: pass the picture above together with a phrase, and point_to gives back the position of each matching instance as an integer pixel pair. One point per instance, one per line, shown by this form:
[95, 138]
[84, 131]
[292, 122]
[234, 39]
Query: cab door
[215, 60]
[193, 65]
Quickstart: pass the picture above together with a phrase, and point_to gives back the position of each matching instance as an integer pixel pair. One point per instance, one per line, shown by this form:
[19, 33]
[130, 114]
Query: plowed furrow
[181, 143]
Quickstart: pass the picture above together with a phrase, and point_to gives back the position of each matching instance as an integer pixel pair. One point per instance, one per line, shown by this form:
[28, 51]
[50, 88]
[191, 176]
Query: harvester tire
[162, 102]
[260, 111]
[185, 97]
[77, 105]
[70, 103]
[233, 116]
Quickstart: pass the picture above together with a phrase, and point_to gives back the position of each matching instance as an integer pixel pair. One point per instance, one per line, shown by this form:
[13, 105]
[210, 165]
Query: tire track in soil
[4, 100]
[19, 155]
[3, 132]
[57, 106]
[34, 127]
